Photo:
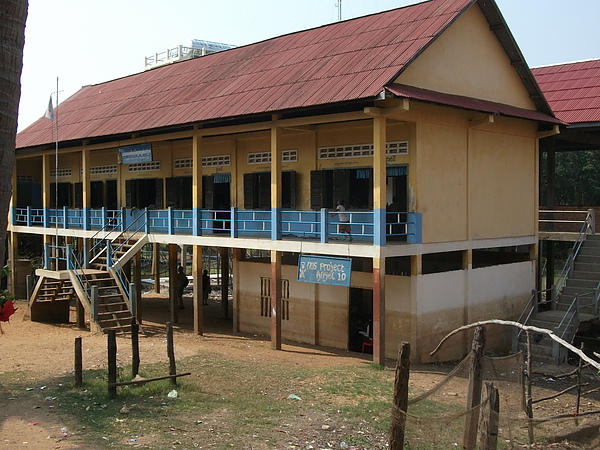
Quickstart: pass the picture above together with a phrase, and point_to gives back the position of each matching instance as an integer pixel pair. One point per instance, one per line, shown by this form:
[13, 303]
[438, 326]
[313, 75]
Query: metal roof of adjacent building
[572, 90]
[337, 63]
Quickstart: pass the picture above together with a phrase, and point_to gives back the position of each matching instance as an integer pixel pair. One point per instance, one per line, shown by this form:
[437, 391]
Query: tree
[13, 14]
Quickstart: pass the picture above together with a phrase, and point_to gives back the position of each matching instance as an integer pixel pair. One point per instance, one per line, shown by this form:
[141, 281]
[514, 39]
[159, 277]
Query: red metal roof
[344, 61]
[474, 104]
[572, 90]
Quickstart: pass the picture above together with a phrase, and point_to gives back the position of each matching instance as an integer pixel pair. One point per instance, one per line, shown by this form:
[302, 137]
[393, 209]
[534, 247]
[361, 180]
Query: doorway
[360, 319]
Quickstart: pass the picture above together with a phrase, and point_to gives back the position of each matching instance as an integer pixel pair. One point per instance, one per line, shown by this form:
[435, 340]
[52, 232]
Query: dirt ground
[42, 351]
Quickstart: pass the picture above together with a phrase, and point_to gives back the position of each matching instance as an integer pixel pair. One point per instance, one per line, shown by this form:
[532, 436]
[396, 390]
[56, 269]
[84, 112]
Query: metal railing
[588, 227]
[231, 223]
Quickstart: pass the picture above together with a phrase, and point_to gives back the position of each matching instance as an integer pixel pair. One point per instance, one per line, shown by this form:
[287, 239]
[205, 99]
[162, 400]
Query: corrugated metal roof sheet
[473, 104]
[344, 61]
[573, 90]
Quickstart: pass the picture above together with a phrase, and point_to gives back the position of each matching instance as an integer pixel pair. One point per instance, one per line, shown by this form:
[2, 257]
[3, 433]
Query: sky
[83, 42]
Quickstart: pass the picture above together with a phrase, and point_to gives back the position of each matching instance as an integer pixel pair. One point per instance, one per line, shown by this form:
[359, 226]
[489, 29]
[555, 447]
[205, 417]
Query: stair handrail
[127, 229]
[111, 263]
[75, 266]
[528, 310]
[106, 230]
[574, 308]
[587, 227]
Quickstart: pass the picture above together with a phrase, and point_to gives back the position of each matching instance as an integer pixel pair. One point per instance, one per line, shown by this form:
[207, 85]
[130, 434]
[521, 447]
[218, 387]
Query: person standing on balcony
[344, 226]
[181, 283]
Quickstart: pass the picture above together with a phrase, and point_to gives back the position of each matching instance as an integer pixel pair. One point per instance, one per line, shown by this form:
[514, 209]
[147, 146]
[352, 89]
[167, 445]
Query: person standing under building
[344, 226]
[205, 287]
[181, 281]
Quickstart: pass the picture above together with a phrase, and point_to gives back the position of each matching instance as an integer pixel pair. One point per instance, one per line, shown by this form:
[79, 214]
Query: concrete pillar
[197, 269]
[379, 311]
[275, 300]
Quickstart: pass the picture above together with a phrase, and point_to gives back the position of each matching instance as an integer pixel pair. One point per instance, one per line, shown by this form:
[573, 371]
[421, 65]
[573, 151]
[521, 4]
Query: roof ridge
[567, 63]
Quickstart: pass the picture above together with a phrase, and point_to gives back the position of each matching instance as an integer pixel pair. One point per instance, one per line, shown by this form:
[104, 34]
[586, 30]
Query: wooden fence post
[400, 404]
[135, 347]
[474, 389]
[171, 353]
[488, 419]
[78, 363]
[112, 363]
[528, 395]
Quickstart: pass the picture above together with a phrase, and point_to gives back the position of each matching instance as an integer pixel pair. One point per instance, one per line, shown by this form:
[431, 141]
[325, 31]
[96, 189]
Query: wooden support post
[174, 316]
[225, 282]
[488, 419]
[137, 282]
[156, 266]
[112, 363]
[474, 389]
[197, 270]
[275, 300]
[400, 404]
[171, 353]
[379, 311]
[78, 363]
[135, 347]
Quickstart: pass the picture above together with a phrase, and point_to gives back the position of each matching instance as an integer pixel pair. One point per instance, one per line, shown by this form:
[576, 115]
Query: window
[355, 186]
[179, 192]
[144, 193]
[265, 298]
[102, 170]
[257, 190]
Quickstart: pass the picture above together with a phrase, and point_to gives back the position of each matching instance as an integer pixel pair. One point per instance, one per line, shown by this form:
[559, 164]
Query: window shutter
[371, 189]
[110, 196]
[129, 193]
[158, 204]
[316, 189]
[208, 191]
[249, 191]
[172, 187]
[264, 190]
[78, 189]
[288, 188]
[96, 194]
[186, 193]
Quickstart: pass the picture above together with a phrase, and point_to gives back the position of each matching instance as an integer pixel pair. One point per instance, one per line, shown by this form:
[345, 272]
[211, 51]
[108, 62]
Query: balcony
[400, 227]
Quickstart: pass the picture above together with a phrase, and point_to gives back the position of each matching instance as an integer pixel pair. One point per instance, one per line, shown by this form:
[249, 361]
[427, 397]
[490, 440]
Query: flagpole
[56, 169]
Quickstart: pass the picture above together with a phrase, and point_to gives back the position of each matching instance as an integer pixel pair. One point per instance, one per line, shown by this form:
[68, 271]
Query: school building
[425, 120]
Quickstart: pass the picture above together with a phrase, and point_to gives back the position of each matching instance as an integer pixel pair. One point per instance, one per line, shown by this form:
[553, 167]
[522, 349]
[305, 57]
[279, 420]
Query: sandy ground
[40, 353]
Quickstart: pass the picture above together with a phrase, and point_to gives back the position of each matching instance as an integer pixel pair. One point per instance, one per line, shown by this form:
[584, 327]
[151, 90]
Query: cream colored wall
[502, 184]
[473, 182]
[441, 173]
[467, 59]
[451, 299]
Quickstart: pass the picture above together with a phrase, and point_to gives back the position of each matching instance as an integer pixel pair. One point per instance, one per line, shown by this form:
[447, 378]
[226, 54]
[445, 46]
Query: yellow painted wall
[467, 59]
[441, 173]
[502, 184]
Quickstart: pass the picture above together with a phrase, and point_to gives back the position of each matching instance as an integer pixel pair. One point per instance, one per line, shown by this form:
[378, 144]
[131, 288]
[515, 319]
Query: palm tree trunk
[13, 14]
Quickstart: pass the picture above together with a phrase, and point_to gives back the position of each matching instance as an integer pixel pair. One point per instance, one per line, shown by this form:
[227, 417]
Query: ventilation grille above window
[218, 160]
[99, 170]
[183, 163]
[265, 157]
[362, 150]
[24, 178]
[60, 172]
[144, 166]
[259, 158]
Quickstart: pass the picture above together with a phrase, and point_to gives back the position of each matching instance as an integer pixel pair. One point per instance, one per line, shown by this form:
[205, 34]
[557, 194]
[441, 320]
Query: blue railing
[321, 225]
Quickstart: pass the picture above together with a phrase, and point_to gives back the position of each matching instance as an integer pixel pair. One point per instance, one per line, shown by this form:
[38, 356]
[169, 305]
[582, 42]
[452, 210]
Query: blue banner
[136, 153]
[324, 270]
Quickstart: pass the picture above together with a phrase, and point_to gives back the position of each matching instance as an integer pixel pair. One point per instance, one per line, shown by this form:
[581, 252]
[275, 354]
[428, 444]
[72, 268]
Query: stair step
[582, 283]
[587, 267]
